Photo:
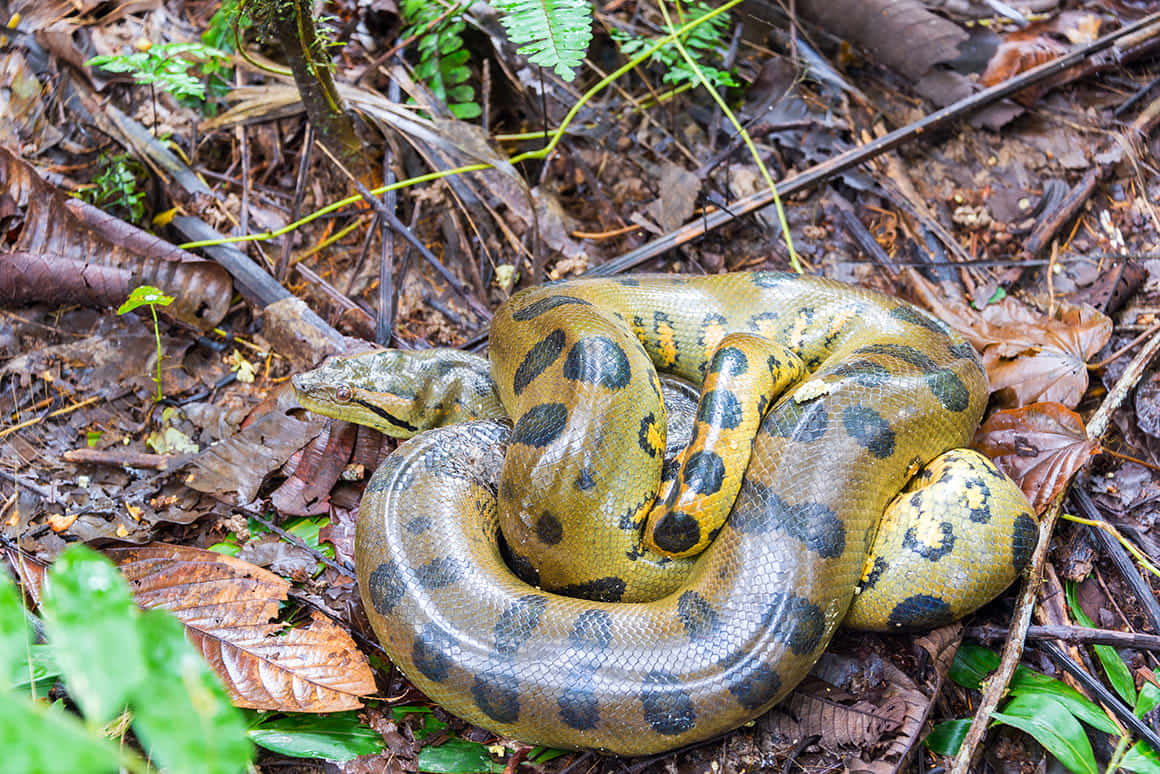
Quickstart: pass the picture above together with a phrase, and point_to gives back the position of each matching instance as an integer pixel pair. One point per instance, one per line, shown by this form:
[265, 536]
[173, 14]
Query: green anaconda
[821, 403]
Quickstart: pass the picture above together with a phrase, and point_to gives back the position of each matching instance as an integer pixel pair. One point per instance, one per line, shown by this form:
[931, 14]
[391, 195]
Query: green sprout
[147, 295]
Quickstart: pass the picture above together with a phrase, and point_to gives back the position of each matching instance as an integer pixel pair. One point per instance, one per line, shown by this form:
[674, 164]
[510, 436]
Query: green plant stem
[541, 153]
[1122, 746]
[157, 336]
[781, 219]
[1127, 544]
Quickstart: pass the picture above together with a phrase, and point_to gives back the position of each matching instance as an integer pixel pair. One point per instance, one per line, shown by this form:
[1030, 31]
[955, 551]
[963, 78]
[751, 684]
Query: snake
[535, 557]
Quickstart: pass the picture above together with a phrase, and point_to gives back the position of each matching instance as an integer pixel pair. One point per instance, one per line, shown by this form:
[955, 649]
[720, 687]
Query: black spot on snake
[729, 360]
[756, 320]
[668, 708]
[949, 390]
[507, 489]
[387, 587]
[982, 513]
[864, 372]
[648, 429]
[676, 531]
[909, 314]
[497, 694]
[627, 282]
[540, 425]
[814, 524]
[696, 615]
[584, 480]
[921, 611]
[769, 279]
[430, 652]
[797, 422]
[946, 544]
[524, 569]
[598, 360]
[880, 566]
[610, 589]
[517, 624]
[418, 525]
[438, 573]
[720, 408]
[1024, 535]
[753, 683]
[549, 529]
[579, 707]
[542, 354]
[794, 620]
[964, 351]
[869, 429]
[903, 352]
[592, 631]
[386, 415]
[537, 308]
[704, 472]
[712, 320]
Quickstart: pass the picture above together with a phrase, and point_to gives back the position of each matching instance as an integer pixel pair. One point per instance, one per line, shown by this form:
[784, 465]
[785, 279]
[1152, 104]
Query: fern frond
[551, 33]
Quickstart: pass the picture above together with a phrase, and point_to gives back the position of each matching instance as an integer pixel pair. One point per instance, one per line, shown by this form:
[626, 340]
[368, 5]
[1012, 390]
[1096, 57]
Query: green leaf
[456, 756]
[1027, 682]
[37, 671]
[143, 296]
[947, 737]
[339, 737]
[36, 738]
[551, 33]
[183, 716]
[15, 636]
[972, 664]
[1141, 758]
[1049, 722]
[465, 110]
[1148, 700]
[90, 618]
[1114, 667]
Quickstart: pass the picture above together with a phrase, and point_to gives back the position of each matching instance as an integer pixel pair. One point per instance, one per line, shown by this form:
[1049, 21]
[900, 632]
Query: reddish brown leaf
[1040, 446]
[1029, 356]
[230, 609]
[64, 244]
[1038, 43]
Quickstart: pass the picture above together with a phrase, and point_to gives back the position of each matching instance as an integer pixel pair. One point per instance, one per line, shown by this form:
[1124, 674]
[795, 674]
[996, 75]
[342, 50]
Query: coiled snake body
[881, 389]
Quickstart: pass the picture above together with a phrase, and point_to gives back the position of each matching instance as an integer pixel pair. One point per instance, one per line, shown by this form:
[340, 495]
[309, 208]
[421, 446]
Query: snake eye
[342, 393]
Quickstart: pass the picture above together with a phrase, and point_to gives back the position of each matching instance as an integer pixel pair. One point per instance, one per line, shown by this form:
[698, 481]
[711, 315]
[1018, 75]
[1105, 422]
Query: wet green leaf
[339, 737]
[1049, 722]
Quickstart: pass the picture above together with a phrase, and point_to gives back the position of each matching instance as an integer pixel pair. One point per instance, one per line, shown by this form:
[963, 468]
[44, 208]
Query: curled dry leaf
[230, 610]
[1040, 446]
[69, 252]
[1029, 356]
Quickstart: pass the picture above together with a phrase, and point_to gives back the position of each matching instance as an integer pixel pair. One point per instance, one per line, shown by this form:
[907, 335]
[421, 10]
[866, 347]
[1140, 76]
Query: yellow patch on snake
[811, 390]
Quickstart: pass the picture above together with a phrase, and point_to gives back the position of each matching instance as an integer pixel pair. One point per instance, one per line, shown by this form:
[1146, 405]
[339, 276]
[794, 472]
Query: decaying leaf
[1038, 43]
[1040, 446]
[230, 611]
[69, 252]
[1029, 356]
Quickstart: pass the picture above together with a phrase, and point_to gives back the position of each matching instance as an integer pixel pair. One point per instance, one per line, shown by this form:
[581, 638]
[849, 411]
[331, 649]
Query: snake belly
[888, 389]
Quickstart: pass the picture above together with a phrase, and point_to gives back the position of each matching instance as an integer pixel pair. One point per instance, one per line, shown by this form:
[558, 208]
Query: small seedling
[147, 295]
[116, 187]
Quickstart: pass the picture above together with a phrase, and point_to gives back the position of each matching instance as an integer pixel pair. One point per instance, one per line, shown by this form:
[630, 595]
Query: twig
[1074, 635]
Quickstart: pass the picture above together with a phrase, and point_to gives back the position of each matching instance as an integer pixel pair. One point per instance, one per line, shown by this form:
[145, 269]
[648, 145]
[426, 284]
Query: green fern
[701, 42]
[552, 33]
[442, 56]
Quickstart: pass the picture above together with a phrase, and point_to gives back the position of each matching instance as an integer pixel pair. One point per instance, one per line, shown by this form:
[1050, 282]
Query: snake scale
[568, 629]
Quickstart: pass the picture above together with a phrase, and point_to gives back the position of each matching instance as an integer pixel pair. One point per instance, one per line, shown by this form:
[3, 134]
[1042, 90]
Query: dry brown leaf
[230, 610]
[1029, 356]
[1040, 446]
[1041, 42]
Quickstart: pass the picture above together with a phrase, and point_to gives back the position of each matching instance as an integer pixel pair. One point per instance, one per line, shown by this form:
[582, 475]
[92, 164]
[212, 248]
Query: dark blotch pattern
[903, 352]
[696, 615]
[537, 308]
[549, 529]
[921, 611]
[609, 589]
[539, 358]
[913, 316]
[796, 621]
[668, 708]
[590, 637]
[518, 623]
[864, 372]
[418, 525]
[584, 480]
[964, 351]
[869, 429]
[1025, 533]
[524, 569]
[753, 683]
[677, 531]
[540, 425]
[720, 408]
[931, 553]
[430, 652]
[438, 573]
[579, 707]
[801, 423]
[949, 390]
[497, 694]
[644, 436]
[598, 360]
[875, 573]
[730, 361]
[591, 632]
[704, 472]
[814, 524]
[770, 279]
[387, 587]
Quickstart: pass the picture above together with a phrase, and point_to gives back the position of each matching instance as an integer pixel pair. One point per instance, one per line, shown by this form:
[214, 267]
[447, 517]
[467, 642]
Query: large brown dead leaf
[1029, 356]
[230, 611]
[69, 252]
[1039, 446]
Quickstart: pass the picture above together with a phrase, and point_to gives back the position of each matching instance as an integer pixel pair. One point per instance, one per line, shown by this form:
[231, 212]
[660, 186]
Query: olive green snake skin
[877, 390]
